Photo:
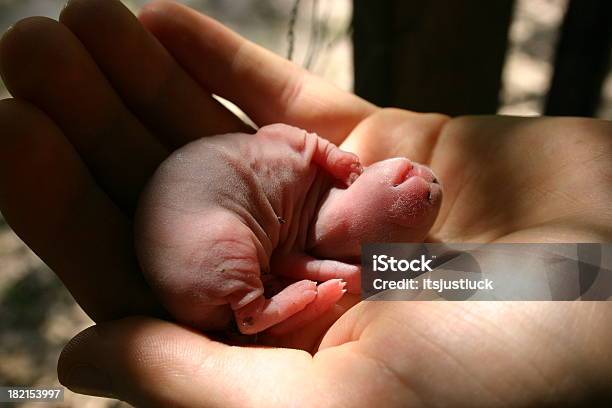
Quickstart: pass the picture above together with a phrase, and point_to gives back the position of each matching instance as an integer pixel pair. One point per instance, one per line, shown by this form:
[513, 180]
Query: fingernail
[88, 379]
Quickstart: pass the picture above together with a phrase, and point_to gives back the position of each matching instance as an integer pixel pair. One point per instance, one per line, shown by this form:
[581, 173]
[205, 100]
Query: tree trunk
[431, 55]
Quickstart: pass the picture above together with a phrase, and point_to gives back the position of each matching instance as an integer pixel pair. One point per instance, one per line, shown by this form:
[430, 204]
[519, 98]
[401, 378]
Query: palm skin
[506, 180]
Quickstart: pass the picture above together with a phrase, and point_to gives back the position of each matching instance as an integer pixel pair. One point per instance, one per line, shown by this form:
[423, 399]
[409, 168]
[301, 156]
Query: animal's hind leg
[328, 293]
[302, 266]
[295, 300]
[262, 313]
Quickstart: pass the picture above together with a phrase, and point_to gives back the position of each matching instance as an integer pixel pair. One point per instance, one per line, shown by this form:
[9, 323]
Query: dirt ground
[38, 316]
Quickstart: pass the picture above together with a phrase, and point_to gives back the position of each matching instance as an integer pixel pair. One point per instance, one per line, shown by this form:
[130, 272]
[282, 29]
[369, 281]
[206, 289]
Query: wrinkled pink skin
[225, 213]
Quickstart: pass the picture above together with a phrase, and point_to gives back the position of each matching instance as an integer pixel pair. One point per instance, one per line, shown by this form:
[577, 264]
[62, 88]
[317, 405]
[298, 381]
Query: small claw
[352, 177]
[356, 170]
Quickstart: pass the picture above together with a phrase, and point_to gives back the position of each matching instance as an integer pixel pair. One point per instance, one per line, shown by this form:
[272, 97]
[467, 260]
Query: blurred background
[425, 56]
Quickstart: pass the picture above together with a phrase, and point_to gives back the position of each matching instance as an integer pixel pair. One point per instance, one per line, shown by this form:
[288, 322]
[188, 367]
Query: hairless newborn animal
[225, 212]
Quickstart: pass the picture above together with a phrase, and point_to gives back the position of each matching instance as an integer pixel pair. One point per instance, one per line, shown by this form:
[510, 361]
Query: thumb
[394, 132]
[149, 362]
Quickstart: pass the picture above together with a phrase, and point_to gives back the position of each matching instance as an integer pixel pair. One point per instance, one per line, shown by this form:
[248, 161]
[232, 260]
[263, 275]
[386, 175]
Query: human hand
[98, 104]
[368, 328]
[460, 354]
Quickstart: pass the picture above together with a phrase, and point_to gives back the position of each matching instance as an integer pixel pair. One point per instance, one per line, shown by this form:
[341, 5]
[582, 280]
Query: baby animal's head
[394, 200]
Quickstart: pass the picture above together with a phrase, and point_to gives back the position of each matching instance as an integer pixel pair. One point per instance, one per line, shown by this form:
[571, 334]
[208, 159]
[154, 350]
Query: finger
[396, 133]
[54, 205]
[42, 62]
[154, 363]
[144, 74]
[267, 87]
